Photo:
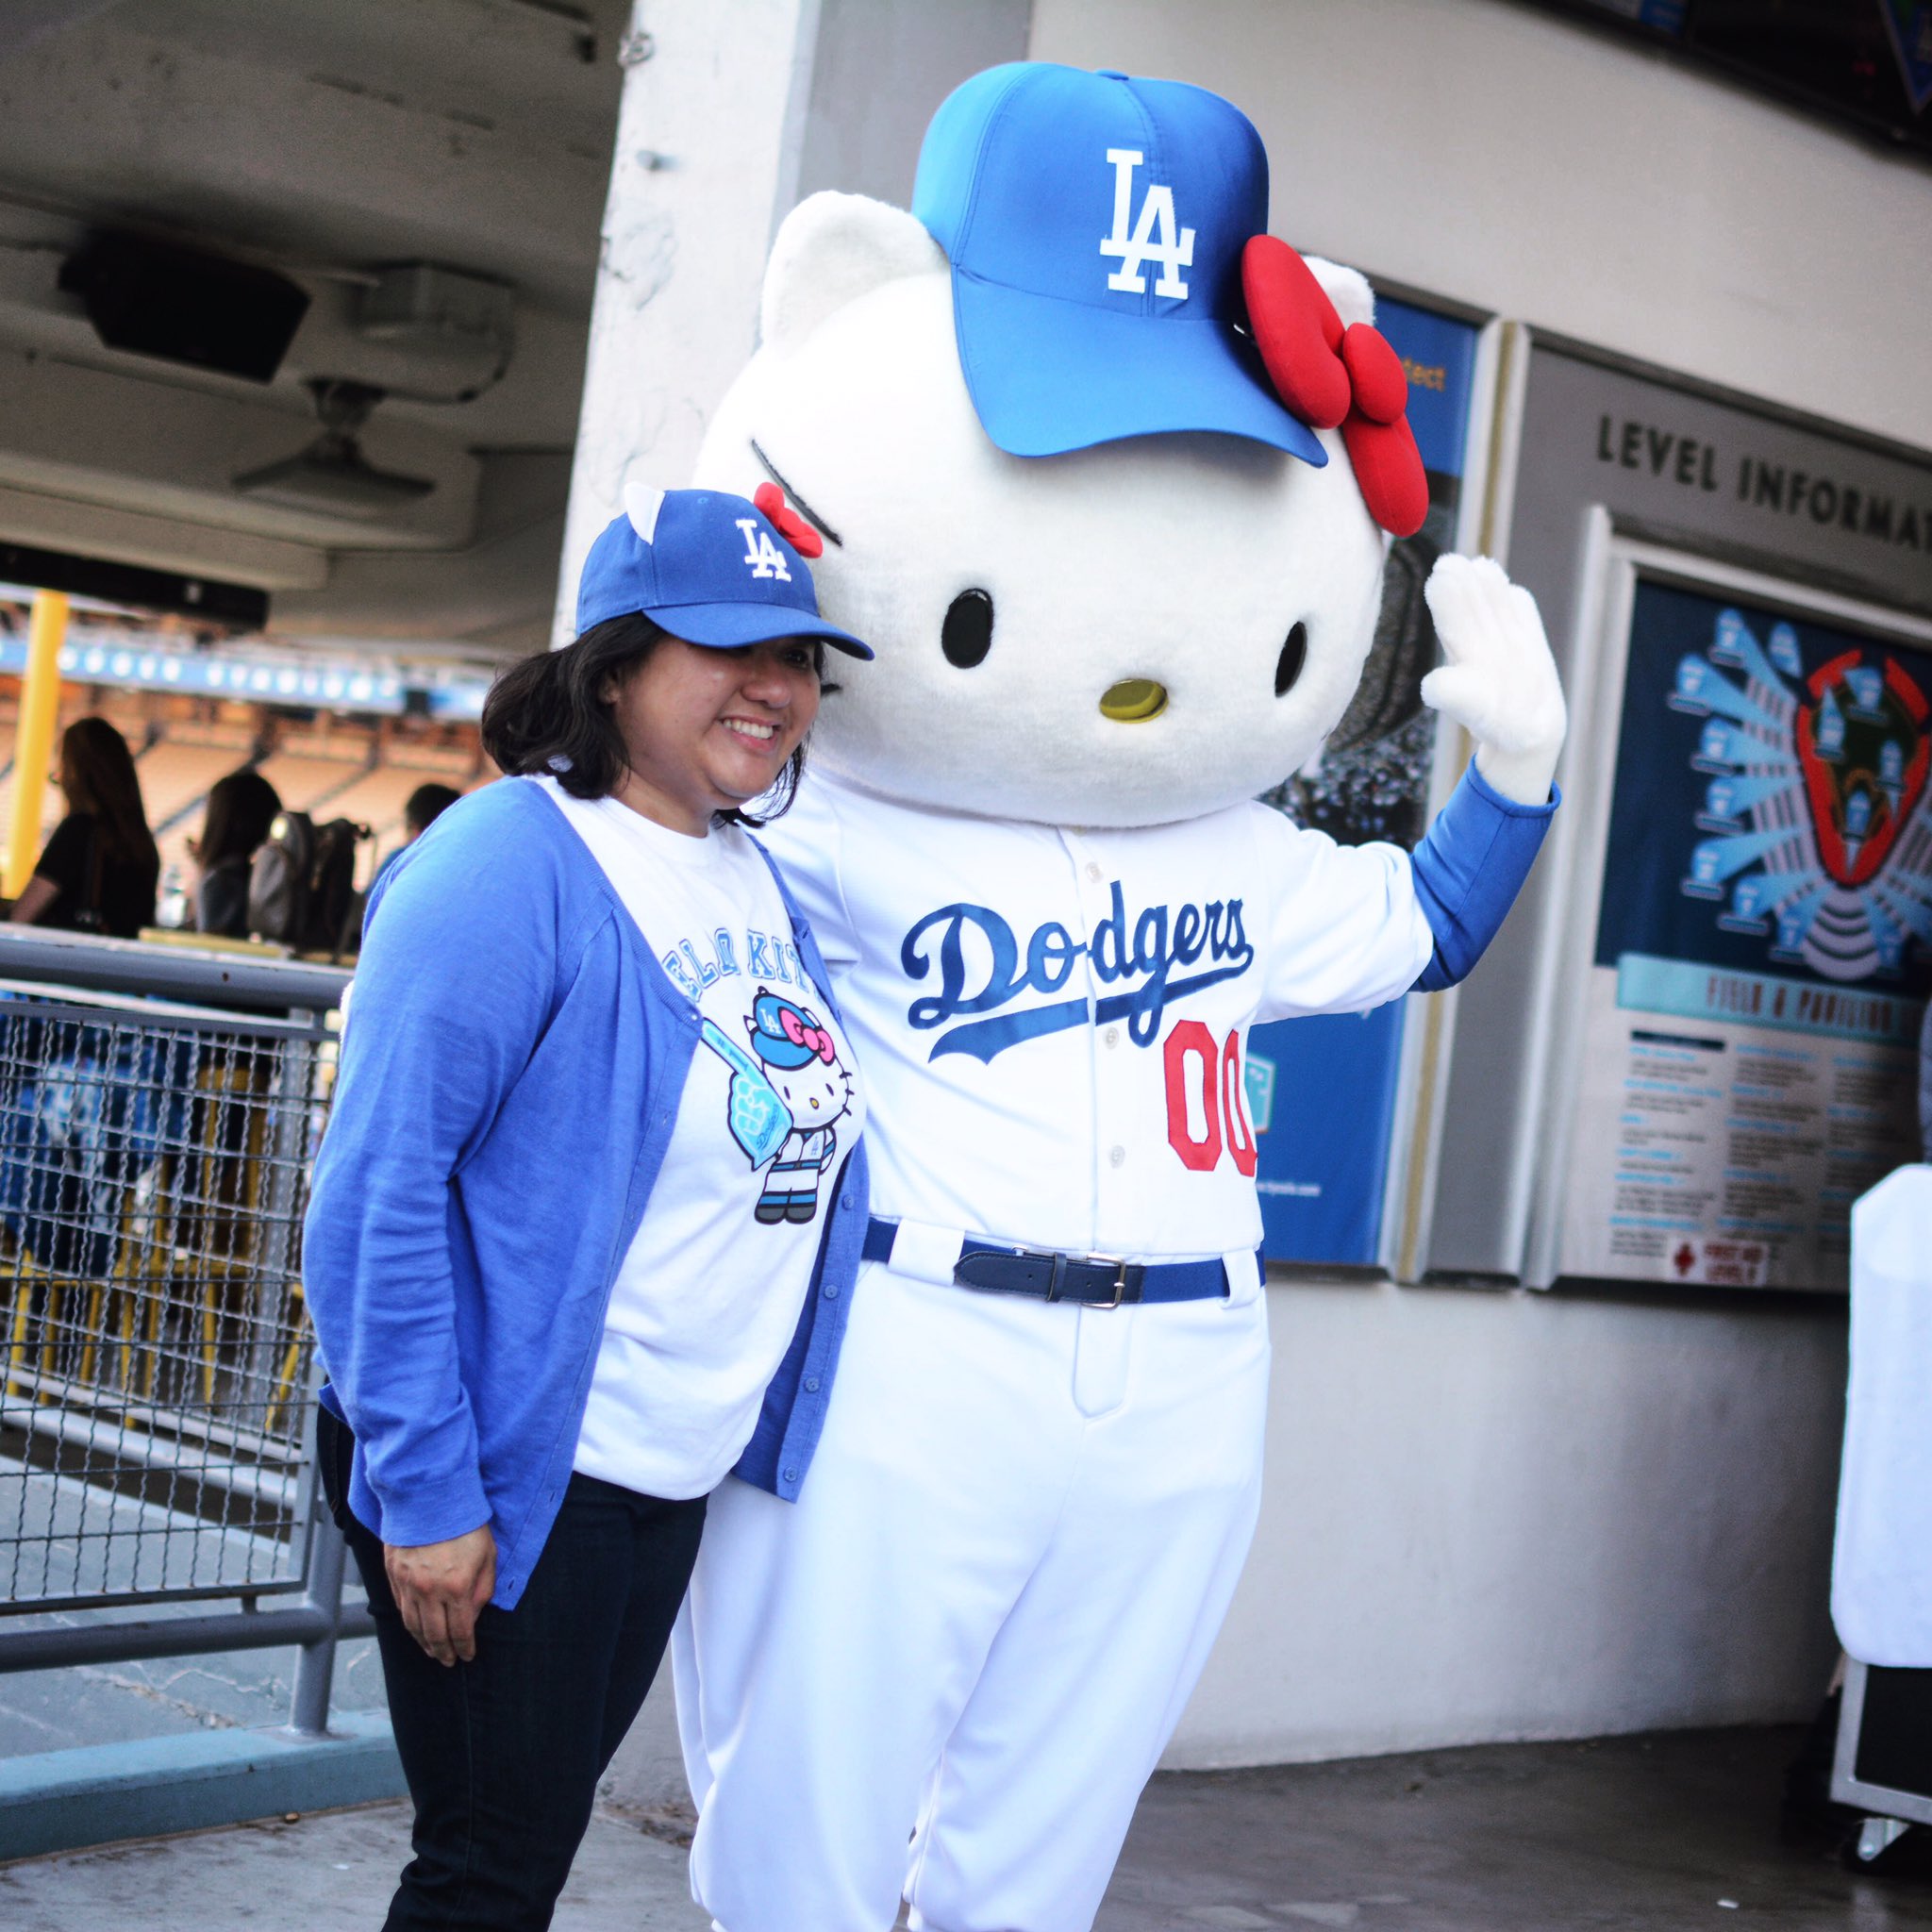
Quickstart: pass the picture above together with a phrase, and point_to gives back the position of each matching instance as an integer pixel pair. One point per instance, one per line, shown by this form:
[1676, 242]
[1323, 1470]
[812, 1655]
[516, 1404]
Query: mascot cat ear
[830, 250]
[1347, 288]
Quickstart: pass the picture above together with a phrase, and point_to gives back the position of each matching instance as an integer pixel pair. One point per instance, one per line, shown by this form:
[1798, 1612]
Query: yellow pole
[33, 744]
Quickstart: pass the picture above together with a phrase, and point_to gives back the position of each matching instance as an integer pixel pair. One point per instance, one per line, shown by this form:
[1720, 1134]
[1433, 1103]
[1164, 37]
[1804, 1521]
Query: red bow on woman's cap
[1328, 375]
[769, 499]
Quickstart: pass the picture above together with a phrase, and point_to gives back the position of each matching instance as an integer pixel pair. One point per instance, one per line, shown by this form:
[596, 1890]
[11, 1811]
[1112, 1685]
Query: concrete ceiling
[327, 140]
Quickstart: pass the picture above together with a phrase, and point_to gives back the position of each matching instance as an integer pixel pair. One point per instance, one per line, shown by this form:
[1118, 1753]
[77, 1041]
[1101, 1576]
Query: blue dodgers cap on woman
[1096, 225]
[707, 567]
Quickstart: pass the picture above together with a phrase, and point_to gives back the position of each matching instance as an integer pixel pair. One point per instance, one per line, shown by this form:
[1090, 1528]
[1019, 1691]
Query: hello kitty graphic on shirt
[785, 1097]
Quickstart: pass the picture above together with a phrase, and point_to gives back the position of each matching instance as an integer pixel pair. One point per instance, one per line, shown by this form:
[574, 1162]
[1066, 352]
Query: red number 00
[1214, 1083]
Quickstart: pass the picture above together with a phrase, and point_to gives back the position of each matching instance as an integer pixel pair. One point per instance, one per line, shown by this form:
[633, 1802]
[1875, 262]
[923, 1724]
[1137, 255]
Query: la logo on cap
[763, 558]
[1095, 225]
[1153, 233]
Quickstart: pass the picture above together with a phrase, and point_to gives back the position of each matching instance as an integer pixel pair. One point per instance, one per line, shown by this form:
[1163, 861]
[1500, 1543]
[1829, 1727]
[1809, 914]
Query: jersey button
[1113, 1036]
[812, 1385]
[1118, 1156]
[1093, 872]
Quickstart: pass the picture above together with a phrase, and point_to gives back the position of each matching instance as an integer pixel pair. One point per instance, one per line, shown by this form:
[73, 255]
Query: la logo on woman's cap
[707, 567]
[1095, 223]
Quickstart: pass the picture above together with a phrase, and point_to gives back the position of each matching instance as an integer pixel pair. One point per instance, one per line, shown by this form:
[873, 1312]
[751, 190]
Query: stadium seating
[359, 768]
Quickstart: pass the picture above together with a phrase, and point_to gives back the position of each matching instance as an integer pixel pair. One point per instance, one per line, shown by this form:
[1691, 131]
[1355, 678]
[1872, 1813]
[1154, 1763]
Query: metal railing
[158, 1112]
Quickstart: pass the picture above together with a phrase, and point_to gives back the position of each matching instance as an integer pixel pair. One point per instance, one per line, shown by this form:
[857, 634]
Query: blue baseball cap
[784, 1034]
[707, 567]
[1095, 224]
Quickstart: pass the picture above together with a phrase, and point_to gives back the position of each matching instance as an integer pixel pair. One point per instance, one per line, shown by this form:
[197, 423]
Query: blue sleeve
[1469, 868]
[456, 983]
[1925, 1084]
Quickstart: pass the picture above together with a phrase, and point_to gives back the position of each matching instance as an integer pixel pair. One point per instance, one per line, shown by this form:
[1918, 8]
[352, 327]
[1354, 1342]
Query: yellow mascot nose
[1133, 700]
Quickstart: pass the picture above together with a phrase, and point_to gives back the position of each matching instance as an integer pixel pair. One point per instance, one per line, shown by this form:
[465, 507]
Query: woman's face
[705, 730]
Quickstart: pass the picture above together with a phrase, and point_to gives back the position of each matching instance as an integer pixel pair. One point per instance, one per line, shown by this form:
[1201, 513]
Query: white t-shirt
[707, 1297]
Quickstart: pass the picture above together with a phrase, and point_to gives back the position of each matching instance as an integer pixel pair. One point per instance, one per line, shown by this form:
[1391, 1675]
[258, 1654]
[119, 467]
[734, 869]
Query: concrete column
[732, 111]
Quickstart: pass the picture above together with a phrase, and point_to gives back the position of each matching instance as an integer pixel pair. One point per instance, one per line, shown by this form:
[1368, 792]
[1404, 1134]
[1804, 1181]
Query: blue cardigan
[510, 1076]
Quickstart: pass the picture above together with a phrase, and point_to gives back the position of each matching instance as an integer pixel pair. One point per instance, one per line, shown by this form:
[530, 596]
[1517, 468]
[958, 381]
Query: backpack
[301, 884]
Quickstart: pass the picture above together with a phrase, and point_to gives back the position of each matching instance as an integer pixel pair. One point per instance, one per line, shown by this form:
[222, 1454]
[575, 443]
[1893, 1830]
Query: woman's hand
[440, 1589]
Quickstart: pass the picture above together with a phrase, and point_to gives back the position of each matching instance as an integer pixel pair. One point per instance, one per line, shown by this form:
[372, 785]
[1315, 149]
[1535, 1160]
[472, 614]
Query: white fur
[1185, 560]
[832, 249]
[1347, 288]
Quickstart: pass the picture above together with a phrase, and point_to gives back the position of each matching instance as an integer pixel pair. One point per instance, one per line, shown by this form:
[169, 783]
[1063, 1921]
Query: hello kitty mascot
[1107, 481]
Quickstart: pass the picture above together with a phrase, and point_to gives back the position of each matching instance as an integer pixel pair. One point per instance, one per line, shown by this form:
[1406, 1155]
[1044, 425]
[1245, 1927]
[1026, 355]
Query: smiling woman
[592, 1198]
[683, 733]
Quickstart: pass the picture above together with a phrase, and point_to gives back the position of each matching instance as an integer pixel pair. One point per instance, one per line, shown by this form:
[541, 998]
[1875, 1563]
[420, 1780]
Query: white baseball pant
[978, 1627]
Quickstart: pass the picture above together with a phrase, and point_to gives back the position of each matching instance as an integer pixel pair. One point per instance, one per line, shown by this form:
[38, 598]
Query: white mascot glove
[1500, 683]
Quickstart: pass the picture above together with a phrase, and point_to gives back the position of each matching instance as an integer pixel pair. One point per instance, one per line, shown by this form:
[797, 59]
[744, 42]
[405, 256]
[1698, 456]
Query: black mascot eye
[1295, 654]
[966, 636]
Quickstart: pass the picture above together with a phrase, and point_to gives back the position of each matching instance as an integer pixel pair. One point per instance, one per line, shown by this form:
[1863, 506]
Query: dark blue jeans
[503, 1755]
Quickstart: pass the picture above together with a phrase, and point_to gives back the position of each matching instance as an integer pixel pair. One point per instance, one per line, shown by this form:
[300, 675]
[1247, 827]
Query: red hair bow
[1329, 376]
[769, 499]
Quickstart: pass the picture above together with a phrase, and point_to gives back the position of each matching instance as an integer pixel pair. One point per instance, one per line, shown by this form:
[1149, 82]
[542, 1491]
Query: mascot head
[1092, 467]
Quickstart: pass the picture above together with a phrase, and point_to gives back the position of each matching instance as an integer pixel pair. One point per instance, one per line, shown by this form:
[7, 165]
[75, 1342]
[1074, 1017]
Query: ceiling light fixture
[332, 476]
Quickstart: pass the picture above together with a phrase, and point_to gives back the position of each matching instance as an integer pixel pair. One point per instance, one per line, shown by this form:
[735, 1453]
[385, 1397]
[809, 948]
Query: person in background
[240, 809]
[427, 804]
[99, 870]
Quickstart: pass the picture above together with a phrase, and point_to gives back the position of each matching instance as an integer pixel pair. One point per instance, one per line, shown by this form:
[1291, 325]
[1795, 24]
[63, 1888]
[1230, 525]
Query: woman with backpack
[589, 1028]
[99, 870]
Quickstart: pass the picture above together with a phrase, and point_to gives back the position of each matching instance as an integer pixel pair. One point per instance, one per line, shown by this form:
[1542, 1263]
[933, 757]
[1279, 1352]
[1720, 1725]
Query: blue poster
[1323, 1092]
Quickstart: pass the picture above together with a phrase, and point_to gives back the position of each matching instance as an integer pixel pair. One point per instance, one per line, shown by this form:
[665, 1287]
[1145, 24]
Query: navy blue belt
[1094, 1281]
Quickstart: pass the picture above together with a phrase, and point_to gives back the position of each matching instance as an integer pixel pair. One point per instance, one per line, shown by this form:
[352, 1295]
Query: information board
[1323, 1092]
[1763, 950]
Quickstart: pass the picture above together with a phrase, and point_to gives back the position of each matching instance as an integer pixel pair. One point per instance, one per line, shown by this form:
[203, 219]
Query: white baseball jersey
[1052, 1022]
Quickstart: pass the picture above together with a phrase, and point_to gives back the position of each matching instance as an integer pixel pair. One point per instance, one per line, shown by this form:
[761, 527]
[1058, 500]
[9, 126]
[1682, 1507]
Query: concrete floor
[1672, 1831]
[1659, 1833]
[331, 1872]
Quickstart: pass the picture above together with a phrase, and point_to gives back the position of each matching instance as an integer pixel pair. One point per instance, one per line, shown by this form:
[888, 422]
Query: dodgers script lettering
[1144, 951]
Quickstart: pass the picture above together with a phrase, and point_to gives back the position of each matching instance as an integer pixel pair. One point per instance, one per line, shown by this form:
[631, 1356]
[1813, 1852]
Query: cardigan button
[790, 1476]
[847, 1201]
[831, 1290]
[812, 1385]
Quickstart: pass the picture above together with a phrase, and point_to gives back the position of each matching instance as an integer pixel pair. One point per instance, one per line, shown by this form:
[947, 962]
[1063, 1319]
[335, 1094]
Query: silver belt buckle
[1119, 1264]
[1057, 1261]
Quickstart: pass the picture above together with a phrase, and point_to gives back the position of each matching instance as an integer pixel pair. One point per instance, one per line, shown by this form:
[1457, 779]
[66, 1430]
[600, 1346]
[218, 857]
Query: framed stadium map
[1762, 938]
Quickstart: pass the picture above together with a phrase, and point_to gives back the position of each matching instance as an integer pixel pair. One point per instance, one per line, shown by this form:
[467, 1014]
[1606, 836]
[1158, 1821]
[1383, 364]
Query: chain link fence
[158, 1112]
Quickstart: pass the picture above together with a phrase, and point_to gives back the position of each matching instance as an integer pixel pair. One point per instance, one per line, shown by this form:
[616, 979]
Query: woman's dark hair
[97, 774]
[240, 809]
[547, 714]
